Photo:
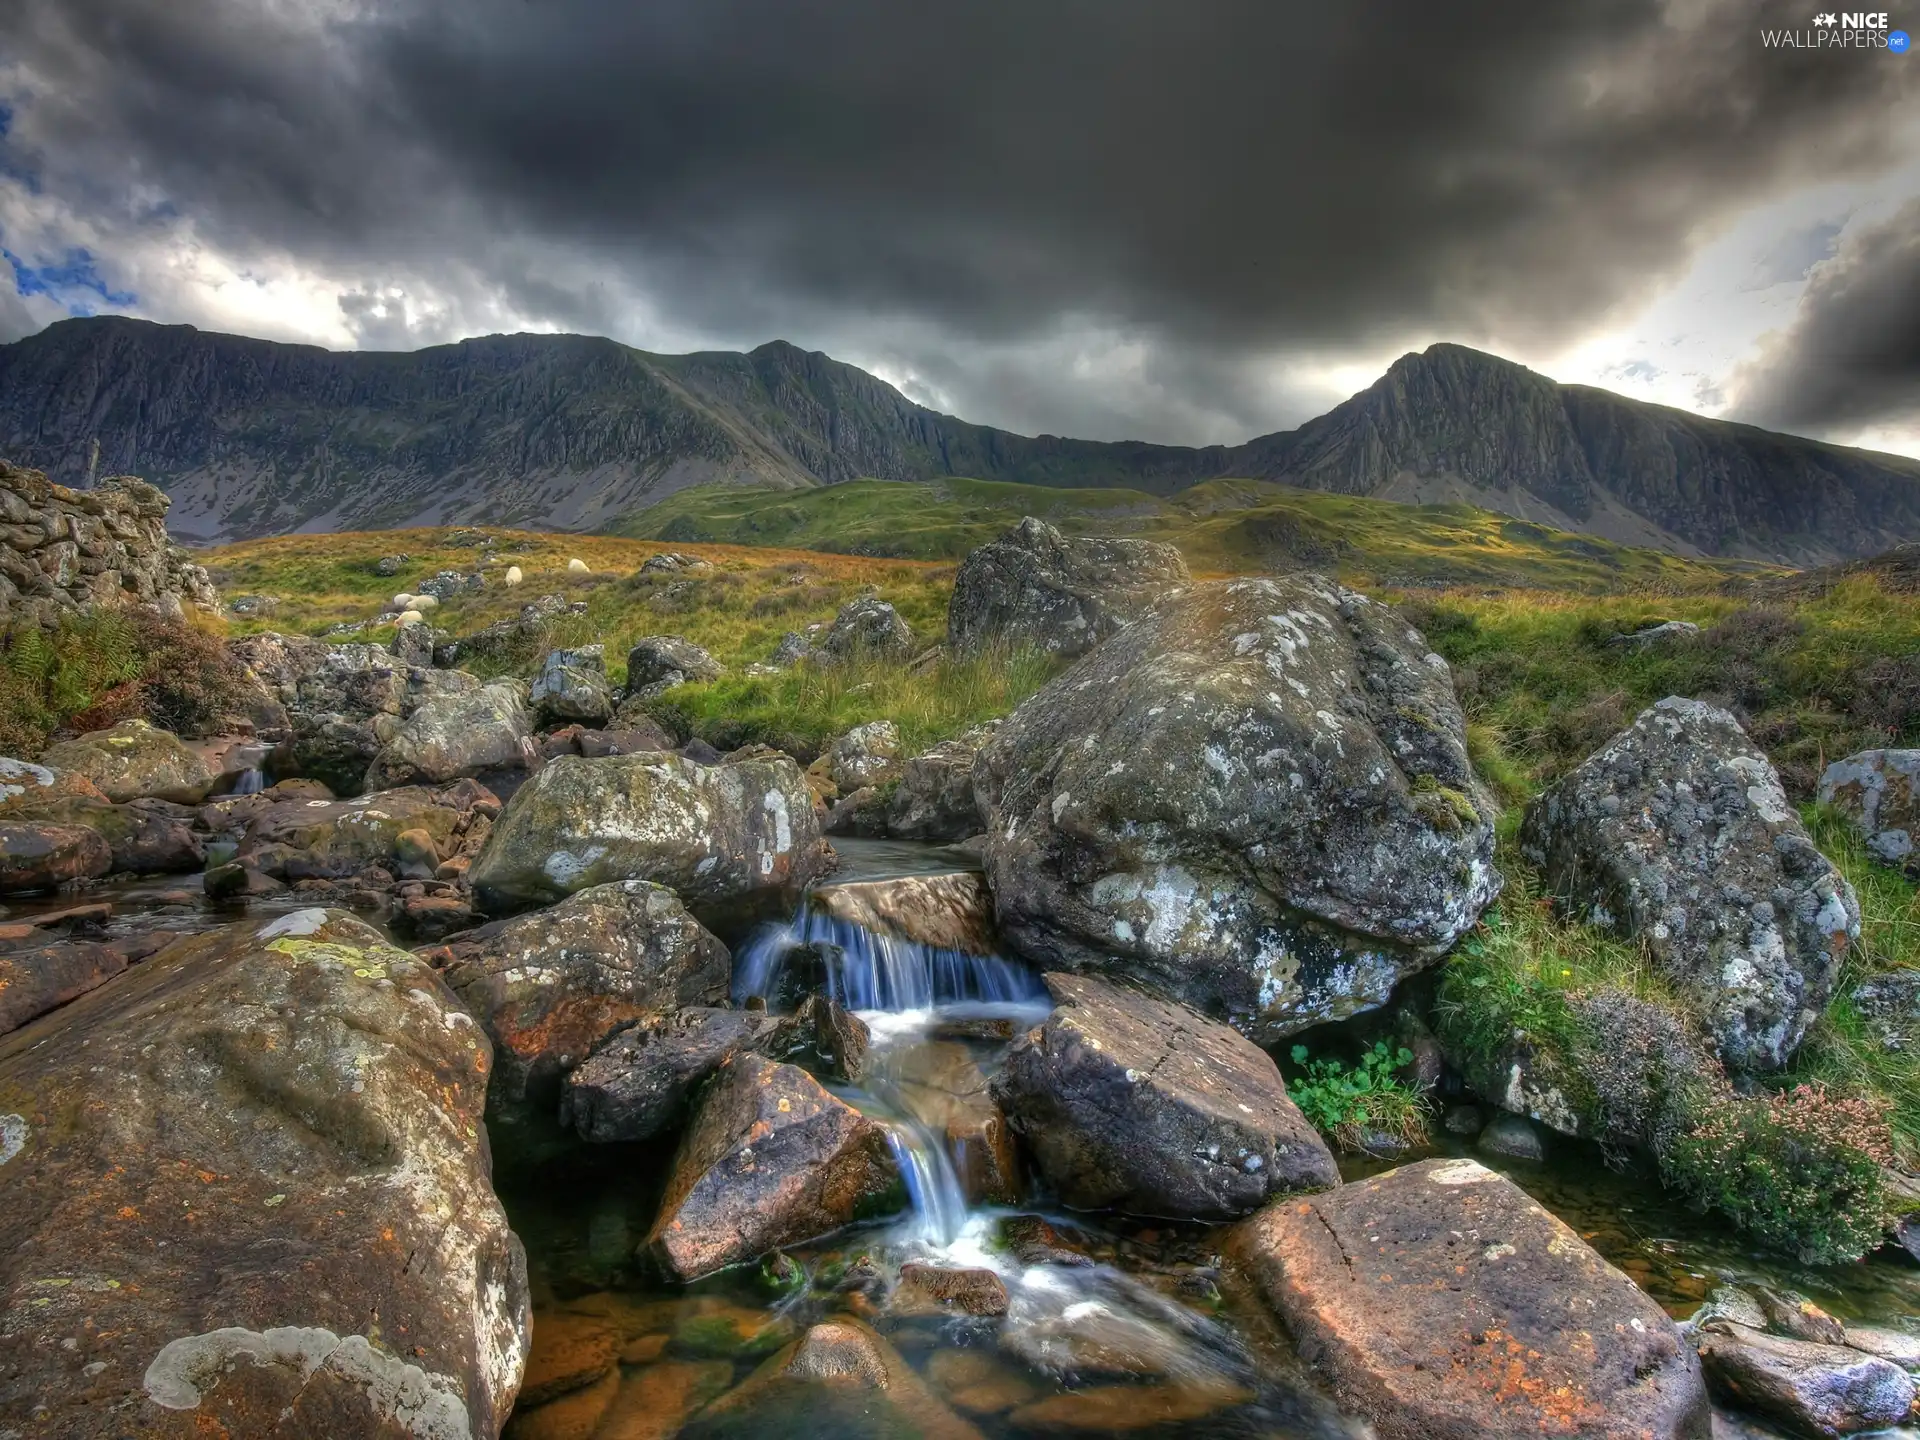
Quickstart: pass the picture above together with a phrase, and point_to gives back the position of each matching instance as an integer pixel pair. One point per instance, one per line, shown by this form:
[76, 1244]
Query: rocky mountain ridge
[251, 437]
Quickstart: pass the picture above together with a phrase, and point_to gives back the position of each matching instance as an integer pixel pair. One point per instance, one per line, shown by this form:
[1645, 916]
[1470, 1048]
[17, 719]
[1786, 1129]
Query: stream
[1133, 1327]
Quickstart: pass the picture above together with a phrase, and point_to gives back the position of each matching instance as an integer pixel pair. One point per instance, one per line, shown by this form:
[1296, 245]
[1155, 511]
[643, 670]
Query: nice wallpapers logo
[1844, 30]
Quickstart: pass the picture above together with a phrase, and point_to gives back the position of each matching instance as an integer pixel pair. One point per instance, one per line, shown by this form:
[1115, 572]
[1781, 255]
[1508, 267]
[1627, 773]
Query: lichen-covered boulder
[641, 1082]
[460, 733]
[1132, 1102]
[343, 703]
[247, 1194]
[1879, 790]
[1676, 832]
[865, 629]
[552, 986]
[1439, 1302]
[23, 785]
[572, 687]
[134, 761]
[37, 855]
[1812, 1388]
[331, 839]
[771, 1159]
[708, 832]
[142, 837]
[933, 799]
[1036, 588]
[866, 755]
[657, 660]
[1257, 799]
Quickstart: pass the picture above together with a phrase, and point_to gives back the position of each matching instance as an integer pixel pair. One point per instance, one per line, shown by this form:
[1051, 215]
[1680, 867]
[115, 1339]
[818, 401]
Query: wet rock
[572, 1416]
[570, 1351]
[1464, 1120]
[1879, 790]
[731, 1332]
[1036, 588]
[1137, 1103]
[937, 1290]
[1513, 1137]
[236, 880]
[1895, 1345]
[1677, 833]
[459, 734]
[838, 1039]
[1663, 633]
[771, 1159]
[1812, 1389]
[1257, 799]
[149, 837]
[1032, 1241]
[933, 800]
[867, 628]
[35, 856]
[639, 1085]
[710, 832]
[37, 978]
[1439, 1302]
[667, 660]
[946, 912]
[553, 986]
[1116, 1409]
[231, 1161]
[332, 839]
[1799, 1317]
[134, 761]
[978, 1382]
[572, 686]
[846, 1381]
[654, 1403]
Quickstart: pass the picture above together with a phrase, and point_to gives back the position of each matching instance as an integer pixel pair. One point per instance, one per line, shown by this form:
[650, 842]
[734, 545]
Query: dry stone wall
[64, 549]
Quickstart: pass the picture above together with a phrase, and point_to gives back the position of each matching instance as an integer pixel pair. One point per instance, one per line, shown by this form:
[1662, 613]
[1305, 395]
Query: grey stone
[867, 628]
[667, 658]
[1823, 1390]
[572, 687]
[1513, 1137]
[1879, 790]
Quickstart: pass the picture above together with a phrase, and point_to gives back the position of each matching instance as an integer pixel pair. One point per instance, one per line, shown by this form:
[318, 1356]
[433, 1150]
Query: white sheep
[576, 566]
[402, 600]
[410, 617]
[424, 602]
[513, 576]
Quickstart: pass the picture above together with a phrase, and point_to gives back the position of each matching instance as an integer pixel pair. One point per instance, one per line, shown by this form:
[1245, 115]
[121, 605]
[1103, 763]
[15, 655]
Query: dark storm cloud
[1852, 354]
[1222, 180]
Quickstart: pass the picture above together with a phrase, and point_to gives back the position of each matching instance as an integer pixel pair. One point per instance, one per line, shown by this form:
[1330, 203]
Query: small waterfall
[933, 1189]
[250, 781]
[865, 971]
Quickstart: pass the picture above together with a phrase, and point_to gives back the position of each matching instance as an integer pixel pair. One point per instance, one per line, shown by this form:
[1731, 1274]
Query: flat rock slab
[1441, 1303]
[771, 1159]
[1140, 1104]
[247, 1194]
[40, 978]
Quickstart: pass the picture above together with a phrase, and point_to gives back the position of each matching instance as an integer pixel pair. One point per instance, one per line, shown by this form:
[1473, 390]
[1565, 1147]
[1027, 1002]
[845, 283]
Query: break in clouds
[1095, 217]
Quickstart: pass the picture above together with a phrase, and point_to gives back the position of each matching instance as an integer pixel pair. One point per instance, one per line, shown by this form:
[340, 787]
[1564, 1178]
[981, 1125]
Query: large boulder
[933, 799]
[1879, 790]
[1677, 833]
[247, 1194]
[771, 1159]
[666, 661]
[330, 839]
[343, 703]
[142, 837]
[1035, 588]
[572, 687]
[1811, 1388]
[942, 912]
[710, 832]
[41, 856]
[551, 987]
[865, 629]
[456, 734]
[134, 761]
[640, 1084]
[1129, 1101]
[1439, 1302]
[24, 784]
[50, 971]
[1256, 799]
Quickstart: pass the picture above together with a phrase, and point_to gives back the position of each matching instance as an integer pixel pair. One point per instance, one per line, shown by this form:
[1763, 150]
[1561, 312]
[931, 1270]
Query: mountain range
[253, 437]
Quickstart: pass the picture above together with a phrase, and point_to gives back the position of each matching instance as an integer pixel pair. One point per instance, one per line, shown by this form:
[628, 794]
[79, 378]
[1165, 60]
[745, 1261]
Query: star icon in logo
[1826, 18]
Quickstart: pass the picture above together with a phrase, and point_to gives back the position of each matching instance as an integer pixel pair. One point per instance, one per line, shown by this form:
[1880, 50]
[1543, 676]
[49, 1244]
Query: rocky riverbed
[423, 1056]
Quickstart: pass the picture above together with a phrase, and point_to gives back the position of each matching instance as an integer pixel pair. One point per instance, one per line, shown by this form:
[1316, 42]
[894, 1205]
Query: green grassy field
[1224, 526]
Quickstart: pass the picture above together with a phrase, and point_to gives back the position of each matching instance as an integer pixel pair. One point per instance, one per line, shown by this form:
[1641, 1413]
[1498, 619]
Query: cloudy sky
[1180, 220]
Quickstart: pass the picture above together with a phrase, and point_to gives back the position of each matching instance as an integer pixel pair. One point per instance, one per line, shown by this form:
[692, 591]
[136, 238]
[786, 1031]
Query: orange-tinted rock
[573, 1416]
[771, 1159]
[37, 856]
[979, 1382]
[937, 1290]
[24, 785]
[1441, 1303]
[569, 1351]
[947, 912]
[655, 1403]
[44, 977]
[1105, 1409]
[943, 1087]
[249, 1181]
